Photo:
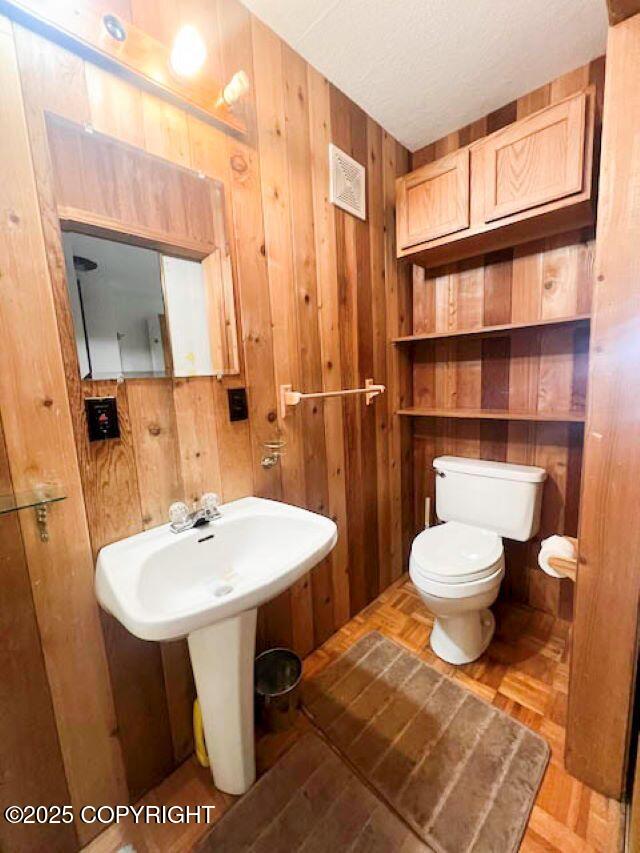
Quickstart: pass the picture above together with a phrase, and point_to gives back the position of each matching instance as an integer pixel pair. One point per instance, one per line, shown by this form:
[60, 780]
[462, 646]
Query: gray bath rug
[310, 801]
[461, 773]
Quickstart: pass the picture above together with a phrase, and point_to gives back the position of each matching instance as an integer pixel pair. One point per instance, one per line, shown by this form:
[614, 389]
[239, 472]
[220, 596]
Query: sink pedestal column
[222, 658]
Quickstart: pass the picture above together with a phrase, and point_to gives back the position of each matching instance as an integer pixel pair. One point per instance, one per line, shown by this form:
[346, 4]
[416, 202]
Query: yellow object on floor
[198, 735]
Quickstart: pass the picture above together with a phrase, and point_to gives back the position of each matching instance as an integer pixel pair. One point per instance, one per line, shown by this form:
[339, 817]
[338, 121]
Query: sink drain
[223, 589]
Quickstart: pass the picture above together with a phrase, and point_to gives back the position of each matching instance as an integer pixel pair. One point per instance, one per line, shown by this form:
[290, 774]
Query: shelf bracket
[41, 520]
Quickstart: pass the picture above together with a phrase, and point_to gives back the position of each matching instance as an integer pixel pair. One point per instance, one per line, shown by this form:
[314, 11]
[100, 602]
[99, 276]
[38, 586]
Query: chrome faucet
[181, 519]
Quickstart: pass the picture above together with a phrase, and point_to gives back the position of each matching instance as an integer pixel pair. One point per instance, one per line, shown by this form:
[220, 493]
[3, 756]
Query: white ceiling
[423, 68]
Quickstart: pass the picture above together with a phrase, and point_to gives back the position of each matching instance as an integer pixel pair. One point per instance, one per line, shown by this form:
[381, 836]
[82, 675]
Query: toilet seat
[453, 553]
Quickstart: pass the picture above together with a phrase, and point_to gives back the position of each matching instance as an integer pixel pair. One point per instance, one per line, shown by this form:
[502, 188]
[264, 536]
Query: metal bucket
[277, 675]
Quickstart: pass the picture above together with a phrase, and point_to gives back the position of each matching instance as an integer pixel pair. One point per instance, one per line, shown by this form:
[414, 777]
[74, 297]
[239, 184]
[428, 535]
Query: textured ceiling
[423, 68]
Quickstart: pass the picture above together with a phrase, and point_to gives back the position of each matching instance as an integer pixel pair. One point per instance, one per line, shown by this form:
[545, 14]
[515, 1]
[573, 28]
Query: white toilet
[457, 567]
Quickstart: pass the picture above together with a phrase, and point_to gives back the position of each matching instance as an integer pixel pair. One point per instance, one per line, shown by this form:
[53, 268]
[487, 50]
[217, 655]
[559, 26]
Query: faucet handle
[178, 512]
[209, 503]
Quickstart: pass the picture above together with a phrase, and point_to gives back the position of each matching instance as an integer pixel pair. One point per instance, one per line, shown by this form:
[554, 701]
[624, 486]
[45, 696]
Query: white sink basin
[206, 584]
[163, 585]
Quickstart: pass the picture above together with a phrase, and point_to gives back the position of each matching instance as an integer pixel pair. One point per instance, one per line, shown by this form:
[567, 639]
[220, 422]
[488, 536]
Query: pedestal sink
[206, 584]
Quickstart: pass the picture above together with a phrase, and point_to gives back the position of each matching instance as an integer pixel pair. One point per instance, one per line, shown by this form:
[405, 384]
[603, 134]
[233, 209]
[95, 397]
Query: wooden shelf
[493, 414]
[488, 331]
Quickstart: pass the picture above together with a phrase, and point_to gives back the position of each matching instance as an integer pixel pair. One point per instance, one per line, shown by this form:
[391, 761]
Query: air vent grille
[347, 182]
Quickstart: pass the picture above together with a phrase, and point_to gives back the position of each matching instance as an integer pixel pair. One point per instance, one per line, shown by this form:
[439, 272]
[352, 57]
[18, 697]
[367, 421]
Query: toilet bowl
[457, 570]
[457, 567]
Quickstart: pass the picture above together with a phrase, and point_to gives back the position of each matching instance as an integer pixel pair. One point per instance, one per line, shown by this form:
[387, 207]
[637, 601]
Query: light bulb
[234, 90]
[188, 52]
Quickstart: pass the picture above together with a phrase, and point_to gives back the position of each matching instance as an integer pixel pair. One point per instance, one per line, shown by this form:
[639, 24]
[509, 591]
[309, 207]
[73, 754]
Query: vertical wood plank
[604, 655]
[526, 289]
[276, 207]
[234, 444]
[469, 294]
[166, 132]
[424, 301]
[30, 757]
[375, 207]
[115, 106]
[258, 353]
[197, 436]
[316, 592]
[256, 312]
[495, 373]
[153, 428]
[152, 689]
[555, 385]
[397, 289]
[498, 274]
[329, 319]
[470, 373]
[347, 279]
[277, 214]
[365, 360]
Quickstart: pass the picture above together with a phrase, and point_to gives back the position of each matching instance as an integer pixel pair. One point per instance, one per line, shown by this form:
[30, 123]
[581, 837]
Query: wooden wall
[603, 698]
[535, 370]
[318, 296]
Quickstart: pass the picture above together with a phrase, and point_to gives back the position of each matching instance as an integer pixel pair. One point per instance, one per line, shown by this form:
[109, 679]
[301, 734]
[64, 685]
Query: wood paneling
[516, 395]
[34, 774]
[37, 423]
[604, 660]
[317, 295]
[112, 187]
[328, 322]
[283, 304]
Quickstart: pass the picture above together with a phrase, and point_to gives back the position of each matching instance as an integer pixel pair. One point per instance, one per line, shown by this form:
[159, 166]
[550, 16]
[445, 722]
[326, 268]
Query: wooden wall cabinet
[433, 201]
[531, 179]
[536, 160]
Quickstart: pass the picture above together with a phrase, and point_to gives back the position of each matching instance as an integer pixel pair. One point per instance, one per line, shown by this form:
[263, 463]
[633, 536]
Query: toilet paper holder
[568, 567]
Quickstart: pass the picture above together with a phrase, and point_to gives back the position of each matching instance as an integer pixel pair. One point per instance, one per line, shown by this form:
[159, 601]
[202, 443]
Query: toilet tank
[498, 496]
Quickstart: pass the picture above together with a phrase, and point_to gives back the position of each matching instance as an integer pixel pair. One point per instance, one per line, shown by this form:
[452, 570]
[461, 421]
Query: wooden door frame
[603, 660]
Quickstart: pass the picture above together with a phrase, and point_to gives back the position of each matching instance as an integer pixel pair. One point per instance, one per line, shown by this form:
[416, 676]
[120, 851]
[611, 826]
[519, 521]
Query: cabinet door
[536, 160]
[434, 200]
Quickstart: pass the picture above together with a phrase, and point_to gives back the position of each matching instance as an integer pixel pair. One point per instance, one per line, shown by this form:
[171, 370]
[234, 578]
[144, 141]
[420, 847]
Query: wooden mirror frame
[110, 189]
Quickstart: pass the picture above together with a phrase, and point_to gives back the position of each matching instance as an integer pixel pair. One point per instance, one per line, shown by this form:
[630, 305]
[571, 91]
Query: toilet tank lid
[487, 468]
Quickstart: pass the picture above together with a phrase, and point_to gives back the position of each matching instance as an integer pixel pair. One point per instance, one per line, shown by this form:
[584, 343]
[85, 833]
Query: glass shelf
[40, 496]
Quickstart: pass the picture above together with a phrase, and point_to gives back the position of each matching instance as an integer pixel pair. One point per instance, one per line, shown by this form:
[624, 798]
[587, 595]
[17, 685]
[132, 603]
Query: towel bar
[288, 397]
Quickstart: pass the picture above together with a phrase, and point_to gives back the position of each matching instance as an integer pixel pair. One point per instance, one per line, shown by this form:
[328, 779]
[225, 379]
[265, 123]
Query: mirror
[137, 312]
[148, 262]
[115, 293]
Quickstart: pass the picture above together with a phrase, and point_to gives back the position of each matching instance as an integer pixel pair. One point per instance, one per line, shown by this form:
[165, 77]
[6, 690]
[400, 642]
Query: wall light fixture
[114, 27]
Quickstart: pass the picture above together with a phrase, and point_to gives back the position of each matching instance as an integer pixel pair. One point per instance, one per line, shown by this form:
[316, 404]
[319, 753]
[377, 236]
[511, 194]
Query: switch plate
[238, 409]
[102, 418]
